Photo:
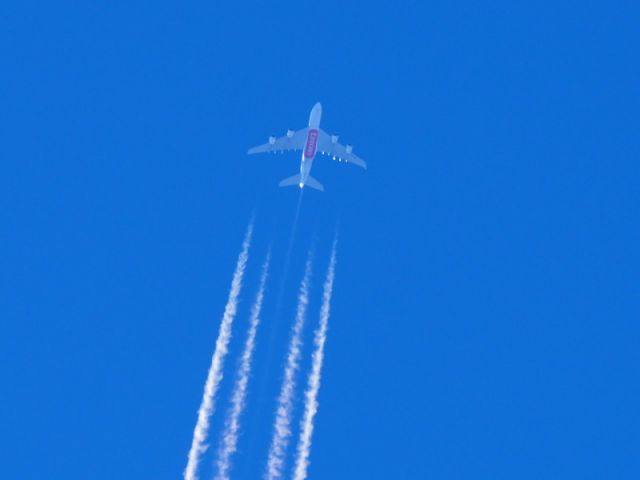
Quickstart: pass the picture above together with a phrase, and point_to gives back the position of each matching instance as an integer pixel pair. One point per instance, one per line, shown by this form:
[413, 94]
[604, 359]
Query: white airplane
[310, 140]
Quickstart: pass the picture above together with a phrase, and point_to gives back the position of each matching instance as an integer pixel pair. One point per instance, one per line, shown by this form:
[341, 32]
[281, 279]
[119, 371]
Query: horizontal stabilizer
[288, 182]
[313, 183]
[295, 180]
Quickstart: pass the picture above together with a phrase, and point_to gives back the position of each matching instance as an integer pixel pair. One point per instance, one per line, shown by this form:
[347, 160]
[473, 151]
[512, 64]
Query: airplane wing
[328, 145]
[291, 141]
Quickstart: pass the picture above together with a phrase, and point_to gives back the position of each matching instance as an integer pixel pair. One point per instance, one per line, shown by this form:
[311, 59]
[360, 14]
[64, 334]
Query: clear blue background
[485, 317]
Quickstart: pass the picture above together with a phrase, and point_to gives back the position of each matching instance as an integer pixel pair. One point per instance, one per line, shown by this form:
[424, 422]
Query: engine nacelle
[349, 148]
[290, 133]
[272, 140]
[334, 138]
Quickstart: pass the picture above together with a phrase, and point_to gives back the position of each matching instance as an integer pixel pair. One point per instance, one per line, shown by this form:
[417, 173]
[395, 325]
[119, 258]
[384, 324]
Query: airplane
[310, 140]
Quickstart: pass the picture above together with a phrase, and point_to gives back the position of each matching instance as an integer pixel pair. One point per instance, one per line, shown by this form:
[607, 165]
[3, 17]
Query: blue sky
[485, 314]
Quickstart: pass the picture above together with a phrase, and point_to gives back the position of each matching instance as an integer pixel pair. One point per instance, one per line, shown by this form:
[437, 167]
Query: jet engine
[349, 148]
[272, 140]
[290, 133]
[334, 138]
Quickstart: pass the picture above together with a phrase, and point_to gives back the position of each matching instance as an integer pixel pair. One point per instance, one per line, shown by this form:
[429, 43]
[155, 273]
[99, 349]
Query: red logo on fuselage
[312, 143]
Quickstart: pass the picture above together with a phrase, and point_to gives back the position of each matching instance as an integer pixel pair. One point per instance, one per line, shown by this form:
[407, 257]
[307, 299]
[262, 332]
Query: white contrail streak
[238, 397]
[282, 425]
[207, 406]
[311, 395]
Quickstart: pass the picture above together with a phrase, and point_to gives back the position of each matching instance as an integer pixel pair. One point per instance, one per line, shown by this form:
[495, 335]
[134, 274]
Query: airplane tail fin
[295, 180]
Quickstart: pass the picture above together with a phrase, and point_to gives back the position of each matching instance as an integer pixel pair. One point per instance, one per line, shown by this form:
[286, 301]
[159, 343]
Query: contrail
[282, 426]
[287, 257]
[311, 395]
[238, 398]
[198, 447]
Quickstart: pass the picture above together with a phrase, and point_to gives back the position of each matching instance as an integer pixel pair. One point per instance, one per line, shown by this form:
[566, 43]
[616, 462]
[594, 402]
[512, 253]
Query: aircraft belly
[305, 168]
[311, 144]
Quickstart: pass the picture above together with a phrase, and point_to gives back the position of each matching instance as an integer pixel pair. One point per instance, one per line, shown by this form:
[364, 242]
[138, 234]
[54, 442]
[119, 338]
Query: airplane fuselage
[311, 145]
